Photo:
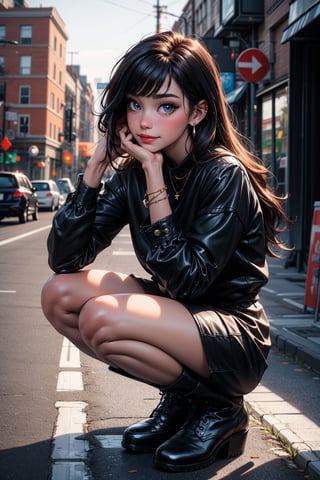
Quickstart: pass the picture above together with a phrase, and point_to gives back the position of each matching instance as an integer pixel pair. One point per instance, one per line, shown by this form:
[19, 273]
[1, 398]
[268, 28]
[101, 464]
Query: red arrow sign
[252, 65]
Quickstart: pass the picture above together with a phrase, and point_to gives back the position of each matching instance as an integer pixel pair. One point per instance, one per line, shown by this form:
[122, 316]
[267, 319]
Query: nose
[145, 121]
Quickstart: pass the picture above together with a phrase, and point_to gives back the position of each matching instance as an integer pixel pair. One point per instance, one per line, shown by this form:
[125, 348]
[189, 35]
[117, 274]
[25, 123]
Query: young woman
[202, 219]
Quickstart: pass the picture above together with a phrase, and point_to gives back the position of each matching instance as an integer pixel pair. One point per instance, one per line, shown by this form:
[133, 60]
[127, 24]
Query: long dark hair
[142, 71]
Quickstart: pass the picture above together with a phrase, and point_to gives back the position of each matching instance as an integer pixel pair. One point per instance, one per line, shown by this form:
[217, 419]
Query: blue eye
[133, 105]
[168, 108]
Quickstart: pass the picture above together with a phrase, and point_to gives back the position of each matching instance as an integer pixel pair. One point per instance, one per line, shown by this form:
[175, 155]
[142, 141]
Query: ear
[199, 112]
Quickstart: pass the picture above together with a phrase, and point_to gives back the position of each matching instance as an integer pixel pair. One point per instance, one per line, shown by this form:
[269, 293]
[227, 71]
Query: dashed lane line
[69, 453]
[24, 235]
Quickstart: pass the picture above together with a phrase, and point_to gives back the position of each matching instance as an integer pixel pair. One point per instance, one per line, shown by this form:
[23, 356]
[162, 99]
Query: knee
[53, 295]
[97, 324]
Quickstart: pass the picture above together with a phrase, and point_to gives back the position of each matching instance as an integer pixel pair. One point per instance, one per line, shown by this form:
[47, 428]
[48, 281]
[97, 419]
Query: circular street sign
[253, 65]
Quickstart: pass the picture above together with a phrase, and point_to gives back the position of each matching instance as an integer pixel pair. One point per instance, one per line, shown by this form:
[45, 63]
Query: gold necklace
[184, 177]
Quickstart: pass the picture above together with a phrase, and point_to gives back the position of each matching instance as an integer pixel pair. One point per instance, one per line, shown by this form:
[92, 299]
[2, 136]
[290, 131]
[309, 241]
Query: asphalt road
[31, 399]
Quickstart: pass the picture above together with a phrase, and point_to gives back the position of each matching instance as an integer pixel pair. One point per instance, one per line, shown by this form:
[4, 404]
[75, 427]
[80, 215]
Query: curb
[304, 457]
[294, 350]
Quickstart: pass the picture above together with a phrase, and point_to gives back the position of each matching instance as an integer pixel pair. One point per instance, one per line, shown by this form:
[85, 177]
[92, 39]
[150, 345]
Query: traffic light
[67, 158]
[11, 158]
[68, 125]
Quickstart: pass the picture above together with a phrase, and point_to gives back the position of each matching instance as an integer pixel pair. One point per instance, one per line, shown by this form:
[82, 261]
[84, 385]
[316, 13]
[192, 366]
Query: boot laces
[164, 405]
[202, 413]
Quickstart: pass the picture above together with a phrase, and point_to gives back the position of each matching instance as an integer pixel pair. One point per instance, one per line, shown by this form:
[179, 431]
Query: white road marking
[24, 235]
[69, 471]
[8, 291]
[69, 454]
[69, 381]
[123, 252]
[109, 441]
[70, 355]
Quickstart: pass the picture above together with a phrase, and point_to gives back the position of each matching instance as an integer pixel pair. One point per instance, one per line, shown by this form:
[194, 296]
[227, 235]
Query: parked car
[49, 196]
[18, 197]
[65, 186]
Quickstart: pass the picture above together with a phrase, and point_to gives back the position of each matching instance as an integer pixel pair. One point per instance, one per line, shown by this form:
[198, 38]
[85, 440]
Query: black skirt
[236, 342]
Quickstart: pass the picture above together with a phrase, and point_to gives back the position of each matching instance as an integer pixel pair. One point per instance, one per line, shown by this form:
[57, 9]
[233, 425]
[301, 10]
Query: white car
[49, 196]
[65, 186]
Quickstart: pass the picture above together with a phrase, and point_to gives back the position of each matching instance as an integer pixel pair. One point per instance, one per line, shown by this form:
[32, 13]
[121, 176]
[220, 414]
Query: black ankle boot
[217, 426]
[209, 433]
[165, 421]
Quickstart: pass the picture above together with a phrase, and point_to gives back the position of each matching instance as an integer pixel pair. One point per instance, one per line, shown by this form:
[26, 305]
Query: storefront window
[281, 140]
[267, 132]
[275, 136]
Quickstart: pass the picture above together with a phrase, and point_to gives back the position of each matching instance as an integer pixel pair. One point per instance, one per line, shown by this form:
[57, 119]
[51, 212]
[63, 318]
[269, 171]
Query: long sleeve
[75, 238]
[218, 240]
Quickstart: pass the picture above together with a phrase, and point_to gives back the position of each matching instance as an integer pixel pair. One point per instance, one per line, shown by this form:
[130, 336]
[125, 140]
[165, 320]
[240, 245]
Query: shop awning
[236, 94]
[87, 148]
[300, 23]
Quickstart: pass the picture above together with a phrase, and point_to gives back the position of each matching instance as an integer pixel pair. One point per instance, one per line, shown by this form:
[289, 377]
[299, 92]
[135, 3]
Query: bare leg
[64, 295]
[150, 337]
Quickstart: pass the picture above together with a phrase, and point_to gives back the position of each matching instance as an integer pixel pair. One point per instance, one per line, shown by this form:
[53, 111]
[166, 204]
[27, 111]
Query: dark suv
[18, 198]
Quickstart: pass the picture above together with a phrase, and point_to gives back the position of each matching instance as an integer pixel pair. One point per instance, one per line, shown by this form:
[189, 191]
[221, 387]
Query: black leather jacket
[210, 250]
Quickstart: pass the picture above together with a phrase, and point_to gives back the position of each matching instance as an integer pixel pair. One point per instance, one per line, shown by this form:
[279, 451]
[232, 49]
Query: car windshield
[7, 181]
[41, 186]
[63, 185]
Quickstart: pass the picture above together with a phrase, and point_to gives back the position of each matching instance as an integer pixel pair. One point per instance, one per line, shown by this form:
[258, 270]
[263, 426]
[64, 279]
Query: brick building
[278, 112]
[38, 93]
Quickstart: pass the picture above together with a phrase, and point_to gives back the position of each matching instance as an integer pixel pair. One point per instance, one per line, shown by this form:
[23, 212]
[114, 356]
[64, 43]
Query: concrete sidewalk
[295, 333]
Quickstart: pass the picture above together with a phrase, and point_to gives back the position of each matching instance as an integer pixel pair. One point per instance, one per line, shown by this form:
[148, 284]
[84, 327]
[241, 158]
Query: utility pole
[158, 14]
[193, 18]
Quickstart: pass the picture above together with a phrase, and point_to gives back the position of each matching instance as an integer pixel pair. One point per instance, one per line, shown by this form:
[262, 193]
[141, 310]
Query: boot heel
[236, 444]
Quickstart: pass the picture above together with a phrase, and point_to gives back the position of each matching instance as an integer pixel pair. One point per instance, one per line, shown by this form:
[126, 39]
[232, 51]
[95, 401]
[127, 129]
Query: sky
[100, 31]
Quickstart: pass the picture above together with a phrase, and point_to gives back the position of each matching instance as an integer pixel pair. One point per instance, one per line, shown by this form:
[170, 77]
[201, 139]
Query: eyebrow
[165, 95]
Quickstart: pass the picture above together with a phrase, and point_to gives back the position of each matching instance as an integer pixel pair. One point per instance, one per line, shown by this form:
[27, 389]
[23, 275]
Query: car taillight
[17, 194]
[49, 194]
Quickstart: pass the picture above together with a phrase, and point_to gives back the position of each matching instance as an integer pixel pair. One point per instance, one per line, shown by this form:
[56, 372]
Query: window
[25, 65]
[52, 100]
[24, 124]
[275, 136]
[2, 93]
[2, 33]
[2, 72]
[281, 140]
[26, 34]
[24, 94]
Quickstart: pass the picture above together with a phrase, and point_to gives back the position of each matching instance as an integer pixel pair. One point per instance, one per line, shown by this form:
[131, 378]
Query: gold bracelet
[147, 203]
[157, 192]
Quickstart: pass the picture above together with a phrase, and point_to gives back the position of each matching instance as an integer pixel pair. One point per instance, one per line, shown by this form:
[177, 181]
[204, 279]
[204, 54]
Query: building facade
[279, 111]
[45, 103]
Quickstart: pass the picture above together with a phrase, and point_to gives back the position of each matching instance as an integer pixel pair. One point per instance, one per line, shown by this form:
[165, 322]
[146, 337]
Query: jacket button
[166, 230]
[157, 232]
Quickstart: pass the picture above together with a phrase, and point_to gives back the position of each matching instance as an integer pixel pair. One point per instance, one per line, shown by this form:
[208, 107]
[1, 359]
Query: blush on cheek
[174, 123]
